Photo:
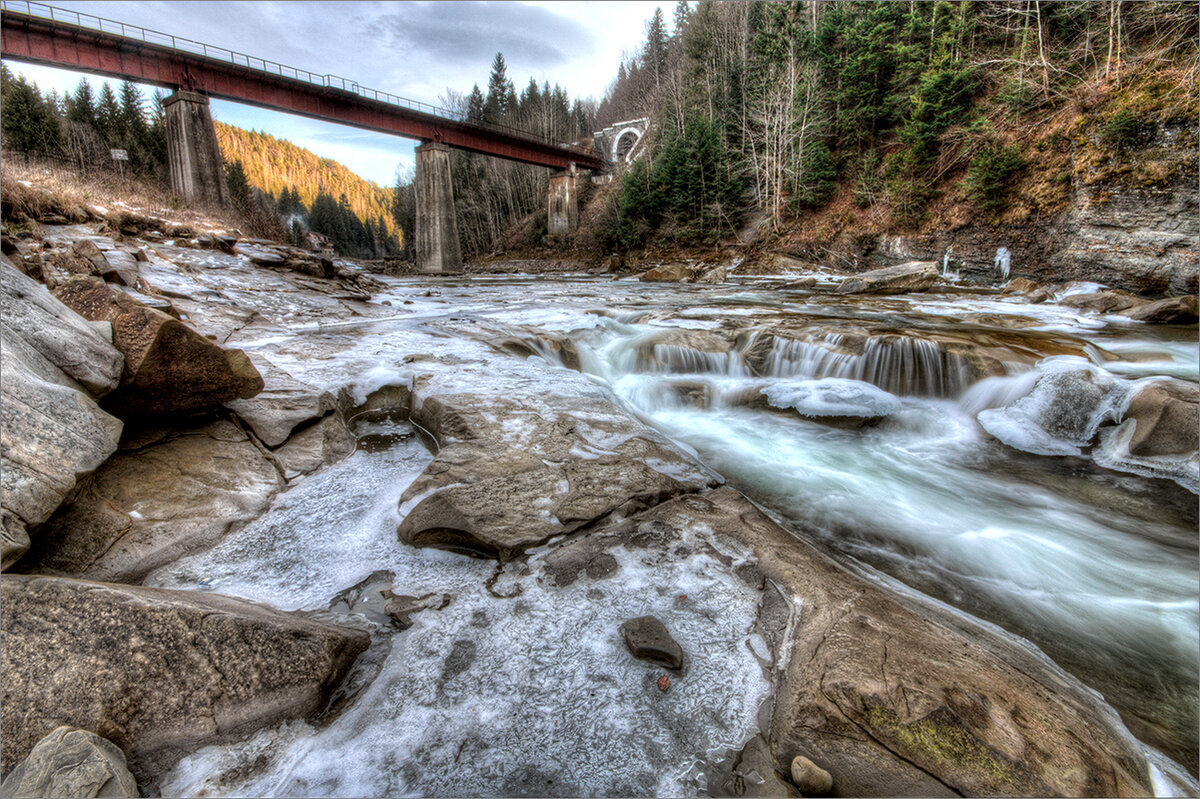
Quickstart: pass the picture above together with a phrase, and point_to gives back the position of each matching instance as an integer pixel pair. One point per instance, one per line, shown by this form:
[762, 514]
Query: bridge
[42, 34]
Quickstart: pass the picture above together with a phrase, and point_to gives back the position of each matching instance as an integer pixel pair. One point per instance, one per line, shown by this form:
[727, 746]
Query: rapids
[928, 475]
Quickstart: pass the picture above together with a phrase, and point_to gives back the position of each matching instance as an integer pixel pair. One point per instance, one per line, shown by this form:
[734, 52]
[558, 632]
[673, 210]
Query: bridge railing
[184, 45]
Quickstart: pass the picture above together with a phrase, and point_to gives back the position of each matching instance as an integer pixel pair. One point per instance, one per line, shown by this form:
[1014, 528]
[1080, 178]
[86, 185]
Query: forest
[279, 188]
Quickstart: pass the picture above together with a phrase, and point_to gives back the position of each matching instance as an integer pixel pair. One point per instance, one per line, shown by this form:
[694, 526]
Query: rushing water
[1096, 566]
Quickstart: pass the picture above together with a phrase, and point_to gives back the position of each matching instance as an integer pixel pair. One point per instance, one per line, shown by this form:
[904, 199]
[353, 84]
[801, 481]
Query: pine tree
[654, 56]
[683, 14]
[108, 116]
[494, 107]
[82, 105]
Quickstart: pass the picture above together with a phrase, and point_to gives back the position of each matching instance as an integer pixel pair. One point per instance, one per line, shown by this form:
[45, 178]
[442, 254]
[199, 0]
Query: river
[905, 436]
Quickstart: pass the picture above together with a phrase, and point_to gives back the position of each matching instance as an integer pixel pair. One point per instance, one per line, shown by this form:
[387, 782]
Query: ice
[530, 695]
[832, 396]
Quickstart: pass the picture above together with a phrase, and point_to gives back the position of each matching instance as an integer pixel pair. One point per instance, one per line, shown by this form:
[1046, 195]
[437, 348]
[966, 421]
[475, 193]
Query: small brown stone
[664, 683]
[811, 779]
[648, 639]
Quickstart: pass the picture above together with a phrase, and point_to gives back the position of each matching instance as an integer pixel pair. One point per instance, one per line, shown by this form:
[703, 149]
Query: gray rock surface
[283, 405]
[321, 444]
[169, 492]
[901, 279]
[508, 476]
[159, 673]
[1171, 311]
[67, 763]
[59, 334]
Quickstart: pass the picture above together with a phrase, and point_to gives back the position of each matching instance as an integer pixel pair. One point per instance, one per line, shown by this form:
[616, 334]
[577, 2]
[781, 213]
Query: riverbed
[898, 434]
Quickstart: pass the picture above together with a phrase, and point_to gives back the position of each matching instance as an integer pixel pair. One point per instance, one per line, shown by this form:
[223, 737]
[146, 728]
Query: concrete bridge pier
[437, 246]
[562, 215]
[193, 157]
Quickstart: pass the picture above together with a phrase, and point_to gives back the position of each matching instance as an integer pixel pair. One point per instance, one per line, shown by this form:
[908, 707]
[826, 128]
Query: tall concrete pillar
[192, 153]
[562, 216]
[437, 227]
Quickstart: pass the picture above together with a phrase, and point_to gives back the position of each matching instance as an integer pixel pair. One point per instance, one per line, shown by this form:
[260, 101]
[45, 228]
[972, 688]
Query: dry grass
[60, 189]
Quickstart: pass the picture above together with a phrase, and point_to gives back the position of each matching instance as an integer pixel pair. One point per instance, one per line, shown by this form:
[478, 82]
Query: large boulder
[1102, 301]
[168, 366]
[283, 405]
[507, 478]
[667, 273]
[68, 763]
[901, 279]
[52, 431]
[166, 494]
[894, 698]
[59, 334]
[1157, 434]
[115, 266]
[1171, 311]
[159, 673]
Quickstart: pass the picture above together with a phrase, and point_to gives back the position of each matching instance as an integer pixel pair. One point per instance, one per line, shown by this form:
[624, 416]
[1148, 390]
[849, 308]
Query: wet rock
[1166, 418]
[909, 277]
[647, 639]
[70, 762]
[58, 334]
[168, 366]
[714, 275]
[685, 351]
[260, 255]
[896, 698]
[171, 493]
[1019, 285]
[159, 673]
[1171, 311]
[1102, 301]
[400, 607]
[811, 779]
[509, 475]
[283, 405]
[667, 273]
[320, 444]
[1060, 415]
[803, 284]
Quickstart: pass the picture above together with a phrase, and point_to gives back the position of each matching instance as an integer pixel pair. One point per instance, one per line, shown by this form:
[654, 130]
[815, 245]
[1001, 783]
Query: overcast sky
[412, 49]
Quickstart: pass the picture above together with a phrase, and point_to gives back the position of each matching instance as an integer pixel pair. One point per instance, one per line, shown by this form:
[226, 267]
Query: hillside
[275, 165]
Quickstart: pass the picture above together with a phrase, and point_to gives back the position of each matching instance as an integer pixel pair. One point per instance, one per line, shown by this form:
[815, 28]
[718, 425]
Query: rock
[685, 351]
[157, 303]
[70, 762]
[115, 266]
[1171, 311]
[835, 401]
[159, 673]
[283, 405]
[803, 284]
[894, 696]
[648, 639]
[167, 494]
[1102, 301]
[909, 277]
[1059, 416]
[510, 474]
[811, 779]
[1019, 285]
[667, 273]
[321, 444]
[714, 275]
[663, 683]
[260, 255]
[1166, 419]
[168, 366]
[400, 608]
[31, 313]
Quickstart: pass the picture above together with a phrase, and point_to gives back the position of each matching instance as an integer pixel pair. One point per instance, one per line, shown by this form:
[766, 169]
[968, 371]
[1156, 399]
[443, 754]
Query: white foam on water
[832, 396]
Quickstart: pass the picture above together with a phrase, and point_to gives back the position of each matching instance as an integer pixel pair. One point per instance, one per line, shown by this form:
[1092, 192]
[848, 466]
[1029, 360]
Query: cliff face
[1128, 219]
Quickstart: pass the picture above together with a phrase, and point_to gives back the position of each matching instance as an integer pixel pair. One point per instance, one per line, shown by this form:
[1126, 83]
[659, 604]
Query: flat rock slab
[509, 475]
[283, 405]
[896, 699]
[159, 673]
[647, 639]
[909, 277]
[174, 492]
[1173, 311]
[70, 762]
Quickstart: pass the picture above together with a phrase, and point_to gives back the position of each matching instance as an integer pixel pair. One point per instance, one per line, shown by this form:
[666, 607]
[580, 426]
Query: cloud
[468, 32]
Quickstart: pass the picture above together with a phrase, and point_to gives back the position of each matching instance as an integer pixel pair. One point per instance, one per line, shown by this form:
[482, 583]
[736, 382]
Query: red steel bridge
[42, 34]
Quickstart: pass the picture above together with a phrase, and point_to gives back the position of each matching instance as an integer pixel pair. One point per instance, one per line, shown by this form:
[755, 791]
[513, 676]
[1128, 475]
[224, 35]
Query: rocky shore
[163, 388]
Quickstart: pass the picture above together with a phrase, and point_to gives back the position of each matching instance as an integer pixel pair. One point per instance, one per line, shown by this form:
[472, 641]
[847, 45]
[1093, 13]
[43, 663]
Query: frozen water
[832, 396]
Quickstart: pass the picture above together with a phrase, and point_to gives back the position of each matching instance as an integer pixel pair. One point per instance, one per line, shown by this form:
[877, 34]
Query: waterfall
[900, 365]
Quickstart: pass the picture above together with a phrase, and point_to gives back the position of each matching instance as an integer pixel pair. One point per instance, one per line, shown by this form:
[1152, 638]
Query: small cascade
[947, 272]
[900, 365]
[1002, 262]
[674, 359]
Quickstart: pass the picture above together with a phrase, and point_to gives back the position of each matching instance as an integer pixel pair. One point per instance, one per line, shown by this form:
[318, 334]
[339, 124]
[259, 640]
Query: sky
[412, 49]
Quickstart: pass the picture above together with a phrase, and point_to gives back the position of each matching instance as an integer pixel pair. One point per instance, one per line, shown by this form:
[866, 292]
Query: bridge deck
[41, 34]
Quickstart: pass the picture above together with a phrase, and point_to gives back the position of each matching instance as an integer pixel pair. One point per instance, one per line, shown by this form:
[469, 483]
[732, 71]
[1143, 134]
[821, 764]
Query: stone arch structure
[619, 142]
